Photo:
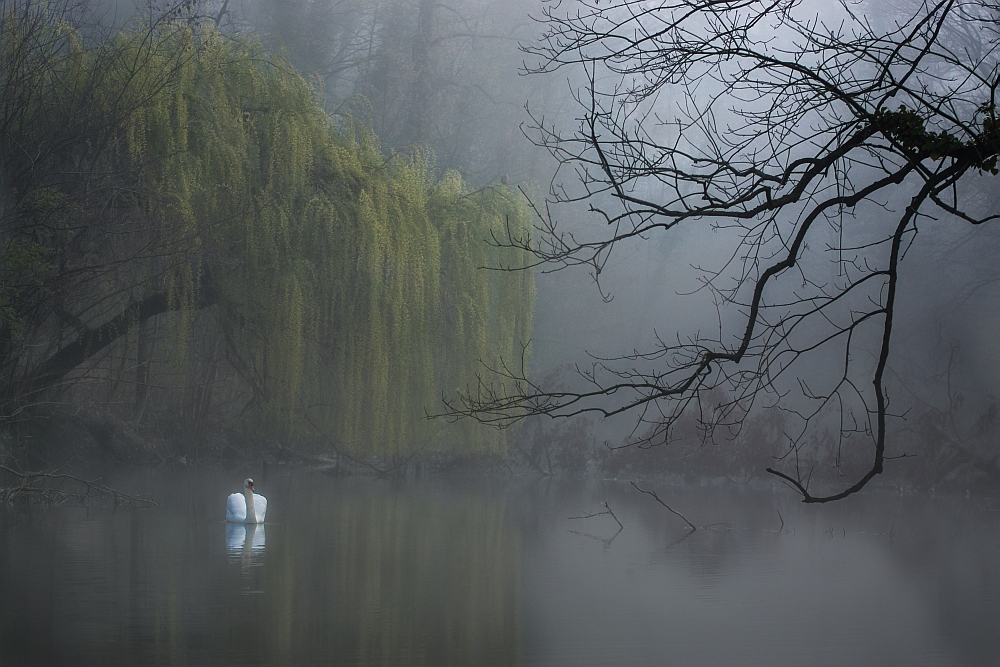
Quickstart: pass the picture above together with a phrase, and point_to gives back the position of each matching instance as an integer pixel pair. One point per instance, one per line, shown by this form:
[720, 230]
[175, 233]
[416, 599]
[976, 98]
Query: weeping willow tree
[210, 243]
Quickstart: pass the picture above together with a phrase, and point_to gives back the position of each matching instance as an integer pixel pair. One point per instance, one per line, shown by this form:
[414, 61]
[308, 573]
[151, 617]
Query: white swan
[238, 504]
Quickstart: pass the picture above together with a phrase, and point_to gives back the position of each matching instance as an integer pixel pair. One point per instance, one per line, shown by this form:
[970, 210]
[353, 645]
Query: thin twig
[595, 514]
[606, 541]
[25, 489]
[671, 509]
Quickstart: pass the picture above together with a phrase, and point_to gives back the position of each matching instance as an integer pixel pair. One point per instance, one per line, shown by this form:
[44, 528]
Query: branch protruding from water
[669, 508]
[57, 488]
[607, 510]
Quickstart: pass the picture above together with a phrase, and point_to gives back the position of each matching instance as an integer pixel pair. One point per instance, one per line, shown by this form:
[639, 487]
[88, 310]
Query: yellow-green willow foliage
[485, 319]
[351, 289]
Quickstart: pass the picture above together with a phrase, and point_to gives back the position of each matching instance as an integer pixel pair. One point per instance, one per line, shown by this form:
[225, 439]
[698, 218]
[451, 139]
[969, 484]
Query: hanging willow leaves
[311, 289]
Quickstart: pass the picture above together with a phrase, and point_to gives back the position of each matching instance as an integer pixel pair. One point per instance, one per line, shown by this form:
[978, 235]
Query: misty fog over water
[555, 333]
[432, 572]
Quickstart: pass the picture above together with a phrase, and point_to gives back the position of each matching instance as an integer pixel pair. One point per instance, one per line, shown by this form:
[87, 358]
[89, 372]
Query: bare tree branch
[779, 129]
[669, 508]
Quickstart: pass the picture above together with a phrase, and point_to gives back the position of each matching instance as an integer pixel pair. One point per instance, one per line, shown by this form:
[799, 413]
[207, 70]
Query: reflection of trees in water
[402, 575]
[956, 549]
[399, 578]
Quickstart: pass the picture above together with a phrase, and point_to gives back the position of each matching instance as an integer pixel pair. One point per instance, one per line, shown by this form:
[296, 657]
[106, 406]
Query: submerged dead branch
[607, 510]
[58, 488]
[669, 508]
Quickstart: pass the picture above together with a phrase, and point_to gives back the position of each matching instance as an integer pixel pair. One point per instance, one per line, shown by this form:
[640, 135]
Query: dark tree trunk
[92, 341]
[420, 92]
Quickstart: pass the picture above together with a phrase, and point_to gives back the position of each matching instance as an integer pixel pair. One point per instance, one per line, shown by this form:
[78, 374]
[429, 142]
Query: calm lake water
[474, 572]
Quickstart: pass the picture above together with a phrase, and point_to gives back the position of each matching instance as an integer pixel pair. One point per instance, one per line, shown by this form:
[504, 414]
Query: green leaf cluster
[908, 129]
[352, 289]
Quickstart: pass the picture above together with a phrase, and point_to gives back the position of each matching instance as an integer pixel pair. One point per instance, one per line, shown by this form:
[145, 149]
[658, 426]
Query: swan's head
[248, 484]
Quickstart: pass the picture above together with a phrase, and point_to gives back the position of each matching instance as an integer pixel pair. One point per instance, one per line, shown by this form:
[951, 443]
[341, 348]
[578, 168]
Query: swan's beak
[251, 487]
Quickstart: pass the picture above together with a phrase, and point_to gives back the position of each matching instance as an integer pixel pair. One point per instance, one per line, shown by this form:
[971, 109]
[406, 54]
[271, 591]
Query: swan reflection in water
[246, 543]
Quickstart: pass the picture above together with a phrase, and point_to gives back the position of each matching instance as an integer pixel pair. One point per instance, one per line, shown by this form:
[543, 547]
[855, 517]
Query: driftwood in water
[58, 488]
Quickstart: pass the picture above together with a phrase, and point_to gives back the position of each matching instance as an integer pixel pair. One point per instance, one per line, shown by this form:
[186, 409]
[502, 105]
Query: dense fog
[499, 332]
[634, 190]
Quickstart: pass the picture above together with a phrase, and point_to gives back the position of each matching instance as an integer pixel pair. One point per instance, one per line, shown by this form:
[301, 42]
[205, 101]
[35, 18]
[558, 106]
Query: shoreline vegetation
[567, 452]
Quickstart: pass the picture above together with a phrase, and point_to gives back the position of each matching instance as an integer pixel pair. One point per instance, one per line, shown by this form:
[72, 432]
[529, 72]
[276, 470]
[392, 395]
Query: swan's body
[238, 504]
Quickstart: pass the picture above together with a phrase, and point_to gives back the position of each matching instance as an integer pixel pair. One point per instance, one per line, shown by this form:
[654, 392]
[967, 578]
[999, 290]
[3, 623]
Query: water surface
[480, 572]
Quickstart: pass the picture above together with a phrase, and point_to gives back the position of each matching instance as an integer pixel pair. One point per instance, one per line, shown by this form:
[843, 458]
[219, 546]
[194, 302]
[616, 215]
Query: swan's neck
[251, 510]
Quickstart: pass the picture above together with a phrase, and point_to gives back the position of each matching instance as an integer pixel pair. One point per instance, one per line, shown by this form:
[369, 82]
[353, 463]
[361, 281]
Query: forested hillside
[190, 247]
